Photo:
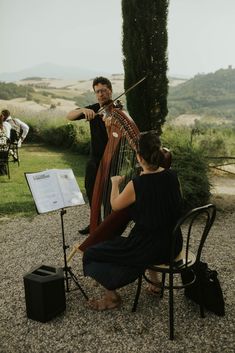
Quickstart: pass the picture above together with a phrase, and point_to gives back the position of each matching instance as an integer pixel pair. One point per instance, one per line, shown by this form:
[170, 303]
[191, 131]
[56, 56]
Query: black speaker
[44, 293]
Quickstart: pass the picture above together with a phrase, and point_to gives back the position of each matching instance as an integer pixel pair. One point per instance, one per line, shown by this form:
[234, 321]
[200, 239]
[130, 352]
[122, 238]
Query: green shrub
[192, 169]
[81, 142]
[34, 134]
[214, 146]
[191, 165]
[75, 137]
[63, 135]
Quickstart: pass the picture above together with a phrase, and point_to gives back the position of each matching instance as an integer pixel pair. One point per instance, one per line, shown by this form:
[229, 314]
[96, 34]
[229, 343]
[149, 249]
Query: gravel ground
[27, 243]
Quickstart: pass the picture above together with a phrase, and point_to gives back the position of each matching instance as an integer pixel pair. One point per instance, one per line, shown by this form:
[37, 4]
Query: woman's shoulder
[166, 173]
[171, 171]
[145, 178]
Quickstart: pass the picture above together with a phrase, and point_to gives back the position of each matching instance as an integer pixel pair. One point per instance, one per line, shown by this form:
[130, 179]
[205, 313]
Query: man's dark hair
[6, 113]
[103, 81]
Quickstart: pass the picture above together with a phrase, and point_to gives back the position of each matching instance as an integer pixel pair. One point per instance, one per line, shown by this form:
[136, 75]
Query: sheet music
[54, 189]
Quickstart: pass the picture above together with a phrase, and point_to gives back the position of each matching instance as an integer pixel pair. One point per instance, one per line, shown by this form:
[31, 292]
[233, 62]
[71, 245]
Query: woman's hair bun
[149, 147]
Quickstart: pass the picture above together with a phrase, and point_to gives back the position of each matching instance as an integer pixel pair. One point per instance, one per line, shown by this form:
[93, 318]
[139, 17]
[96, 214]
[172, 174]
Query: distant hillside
[11, 91]
[49, 70]
[52, 91]
[211, 94]
[209, 98]
[54, 72]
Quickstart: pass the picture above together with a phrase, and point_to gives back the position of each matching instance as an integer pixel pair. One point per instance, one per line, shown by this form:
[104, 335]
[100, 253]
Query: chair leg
[8, 171]
[202, 312]
[5, 169]
[171, 306]
[137, 293]
[18, 158]
[201, 293]
[163, 284]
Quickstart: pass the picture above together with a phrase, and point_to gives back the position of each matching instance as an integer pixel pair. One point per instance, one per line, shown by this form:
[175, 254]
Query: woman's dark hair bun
[149, 147]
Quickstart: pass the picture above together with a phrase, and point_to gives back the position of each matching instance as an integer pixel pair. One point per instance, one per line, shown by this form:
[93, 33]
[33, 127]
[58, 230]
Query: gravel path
[27, 243]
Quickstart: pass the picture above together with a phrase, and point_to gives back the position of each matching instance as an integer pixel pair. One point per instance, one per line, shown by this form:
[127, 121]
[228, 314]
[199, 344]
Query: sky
[88, 34]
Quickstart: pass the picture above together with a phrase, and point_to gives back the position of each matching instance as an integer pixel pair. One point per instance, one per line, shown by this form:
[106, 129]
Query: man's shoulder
[17, 120]
[7, 124]
[13, 121]
[94, 107]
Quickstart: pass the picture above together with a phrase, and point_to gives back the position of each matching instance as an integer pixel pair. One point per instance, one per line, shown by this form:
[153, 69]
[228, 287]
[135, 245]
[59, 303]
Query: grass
[15, 196]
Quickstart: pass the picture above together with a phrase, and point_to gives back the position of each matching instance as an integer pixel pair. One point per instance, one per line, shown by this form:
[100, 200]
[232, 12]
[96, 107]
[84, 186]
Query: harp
[119, 159]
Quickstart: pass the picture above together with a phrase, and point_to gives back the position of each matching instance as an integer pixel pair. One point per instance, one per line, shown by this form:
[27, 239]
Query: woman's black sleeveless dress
[120, 261]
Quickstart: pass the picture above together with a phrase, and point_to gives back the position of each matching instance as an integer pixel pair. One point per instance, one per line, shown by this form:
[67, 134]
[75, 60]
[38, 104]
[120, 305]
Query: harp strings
[123, 163]
[123, 160]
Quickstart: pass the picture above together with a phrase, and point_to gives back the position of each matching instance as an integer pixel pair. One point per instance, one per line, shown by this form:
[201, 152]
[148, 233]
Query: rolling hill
[211, 94]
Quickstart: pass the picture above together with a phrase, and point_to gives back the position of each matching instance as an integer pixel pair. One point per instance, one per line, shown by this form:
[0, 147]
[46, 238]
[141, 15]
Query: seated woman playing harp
[154, 201]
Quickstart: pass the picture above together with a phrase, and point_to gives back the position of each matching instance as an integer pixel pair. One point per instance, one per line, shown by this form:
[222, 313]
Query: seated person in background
[5, 129]
[19, 129]
[154, 199]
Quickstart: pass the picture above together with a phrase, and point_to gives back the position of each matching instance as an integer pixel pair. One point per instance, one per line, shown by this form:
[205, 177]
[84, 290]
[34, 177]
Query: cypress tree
[145, 53]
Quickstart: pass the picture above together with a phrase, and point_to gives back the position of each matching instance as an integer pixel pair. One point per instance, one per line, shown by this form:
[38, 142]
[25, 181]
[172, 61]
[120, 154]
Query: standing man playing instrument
[103, 90]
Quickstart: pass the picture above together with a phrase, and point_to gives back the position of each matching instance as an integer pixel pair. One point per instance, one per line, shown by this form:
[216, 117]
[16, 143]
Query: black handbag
[212, 296]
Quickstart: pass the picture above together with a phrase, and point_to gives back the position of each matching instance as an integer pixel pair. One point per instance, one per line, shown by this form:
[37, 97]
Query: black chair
[195, 227]
[4, 159]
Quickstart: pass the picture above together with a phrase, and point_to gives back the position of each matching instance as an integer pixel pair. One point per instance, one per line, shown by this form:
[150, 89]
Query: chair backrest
[16, 130]
[3, 138]
[196, 222]
[4, 148]
[4, 159]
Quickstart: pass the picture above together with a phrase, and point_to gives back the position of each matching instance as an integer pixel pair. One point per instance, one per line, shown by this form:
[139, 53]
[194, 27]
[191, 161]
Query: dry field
[69, 87]
[24, 105]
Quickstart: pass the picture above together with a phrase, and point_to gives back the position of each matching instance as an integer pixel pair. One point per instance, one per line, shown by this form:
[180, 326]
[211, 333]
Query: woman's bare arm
[125, 198]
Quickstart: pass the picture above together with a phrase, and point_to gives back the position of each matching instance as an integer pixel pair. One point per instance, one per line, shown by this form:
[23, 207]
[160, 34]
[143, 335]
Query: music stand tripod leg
[75, 280]
[66, 268]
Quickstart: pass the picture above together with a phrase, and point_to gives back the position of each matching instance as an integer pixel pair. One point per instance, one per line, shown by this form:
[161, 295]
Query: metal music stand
[67, 269]
[38, 184]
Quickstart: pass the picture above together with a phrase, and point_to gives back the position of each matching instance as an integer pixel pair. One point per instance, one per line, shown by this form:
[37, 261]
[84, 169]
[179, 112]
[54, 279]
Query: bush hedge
[192, 169]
